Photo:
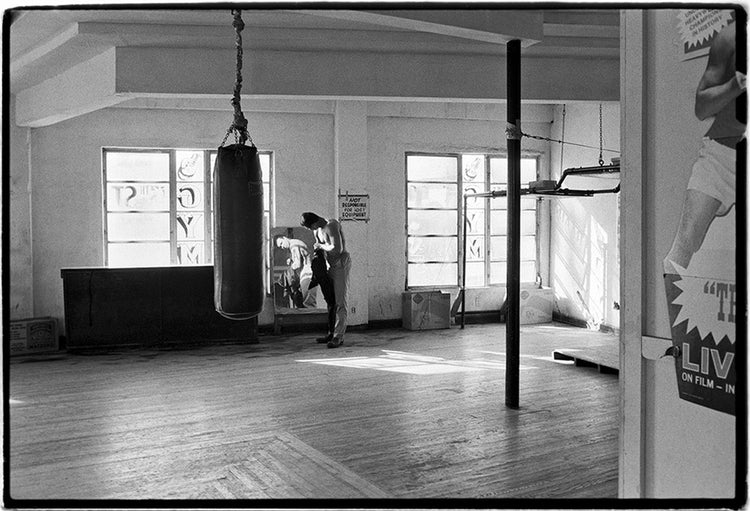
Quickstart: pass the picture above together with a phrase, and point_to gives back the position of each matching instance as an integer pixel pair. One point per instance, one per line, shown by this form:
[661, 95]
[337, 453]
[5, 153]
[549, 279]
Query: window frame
[209, 155]
[459, 221]
[487, 209]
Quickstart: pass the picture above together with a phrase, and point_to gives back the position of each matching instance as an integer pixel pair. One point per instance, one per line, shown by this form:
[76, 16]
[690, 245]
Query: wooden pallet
[605, 358]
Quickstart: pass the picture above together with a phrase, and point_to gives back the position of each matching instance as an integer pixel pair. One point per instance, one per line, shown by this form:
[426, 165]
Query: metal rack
[547, 188]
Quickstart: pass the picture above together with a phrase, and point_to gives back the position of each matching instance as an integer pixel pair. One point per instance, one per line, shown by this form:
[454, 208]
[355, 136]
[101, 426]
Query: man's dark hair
[309, 219]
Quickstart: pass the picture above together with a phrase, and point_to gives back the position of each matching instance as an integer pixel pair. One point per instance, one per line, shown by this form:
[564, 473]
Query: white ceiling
[47, 41]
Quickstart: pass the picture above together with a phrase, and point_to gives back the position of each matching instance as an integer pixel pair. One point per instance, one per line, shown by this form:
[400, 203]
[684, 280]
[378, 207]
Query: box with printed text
[425, 310]
[33, 335]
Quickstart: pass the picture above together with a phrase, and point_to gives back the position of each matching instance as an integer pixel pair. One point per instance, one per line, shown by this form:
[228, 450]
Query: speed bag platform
[238, 232]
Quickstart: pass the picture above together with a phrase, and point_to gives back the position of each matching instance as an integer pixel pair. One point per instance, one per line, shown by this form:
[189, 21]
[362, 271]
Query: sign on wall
[354, 206]
[697, 28]
[700, 267]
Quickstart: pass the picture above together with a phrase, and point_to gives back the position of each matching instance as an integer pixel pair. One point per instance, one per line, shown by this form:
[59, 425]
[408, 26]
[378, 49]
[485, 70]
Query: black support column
[512, 338]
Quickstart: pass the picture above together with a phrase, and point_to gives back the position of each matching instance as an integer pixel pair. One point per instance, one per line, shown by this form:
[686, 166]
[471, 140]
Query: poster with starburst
[697, 27]
[702, 313]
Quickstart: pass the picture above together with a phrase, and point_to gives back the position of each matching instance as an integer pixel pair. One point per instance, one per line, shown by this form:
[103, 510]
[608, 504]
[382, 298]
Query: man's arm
[714, 90]
[333, 244]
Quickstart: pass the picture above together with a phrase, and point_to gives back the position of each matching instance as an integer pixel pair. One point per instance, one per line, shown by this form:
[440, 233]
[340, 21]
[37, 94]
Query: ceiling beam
[17, 63]
[335, 74]
[567, 30]
[122, 74]
[84, 88]
[492, 26]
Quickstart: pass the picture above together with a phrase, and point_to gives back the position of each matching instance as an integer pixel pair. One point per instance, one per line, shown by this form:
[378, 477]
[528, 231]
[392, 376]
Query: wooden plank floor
[392, 414]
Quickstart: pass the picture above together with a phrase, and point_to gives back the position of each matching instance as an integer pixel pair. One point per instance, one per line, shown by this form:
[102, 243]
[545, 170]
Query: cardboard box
[34, 335]
[535, 305]
[426, 310]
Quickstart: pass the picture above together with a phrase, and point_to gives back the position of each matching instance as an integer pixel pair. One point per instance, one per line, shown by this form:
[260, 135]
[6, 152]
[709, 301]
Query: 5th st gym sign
[354, 207]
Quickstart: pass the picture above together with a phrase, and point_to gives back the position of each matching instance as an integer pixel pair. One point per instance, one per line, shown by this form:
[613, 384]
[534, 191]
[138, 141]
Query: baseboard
[561, 318]
[481, 317]
[472, 318]
[609, 329]
[378, 324]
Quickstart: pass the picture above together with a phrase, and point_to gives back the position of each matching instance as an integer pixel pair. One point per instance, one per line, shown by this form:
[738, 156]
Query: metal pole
[512, 338]
[463, 270]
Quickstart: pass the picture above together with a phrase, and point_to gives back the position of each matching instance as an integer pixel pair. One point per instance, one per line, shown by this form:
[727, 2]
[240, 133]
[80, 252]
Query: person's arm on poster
[720, 82]
[297, 258]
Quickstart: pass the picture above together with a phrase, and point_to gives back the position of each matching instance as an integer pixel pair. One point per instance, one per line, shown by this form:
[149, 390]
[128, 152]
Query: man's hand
[741, 79]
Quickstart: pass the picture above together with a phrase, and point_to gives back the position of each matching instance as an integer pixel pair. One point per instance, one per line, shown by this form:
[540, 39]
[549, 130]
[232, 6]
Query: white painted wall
[352, 176]
[319, 147]
[393, 130]
[686, 451]
[19, 238]
[67, 178]
[584, 261]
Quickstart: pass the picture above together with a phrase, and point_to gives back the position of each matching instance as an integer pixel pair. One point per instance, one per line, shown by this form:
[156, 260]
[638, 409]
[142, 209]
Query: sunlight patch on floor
[536, 357]
[412, 363]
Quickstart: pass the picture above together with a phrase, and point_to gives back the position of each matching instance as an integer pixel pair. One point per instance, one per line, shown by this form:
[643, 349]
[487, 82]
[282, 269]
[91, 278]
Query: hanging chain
[601, 138]
[239, 125]
[513, 131]
[562, 144]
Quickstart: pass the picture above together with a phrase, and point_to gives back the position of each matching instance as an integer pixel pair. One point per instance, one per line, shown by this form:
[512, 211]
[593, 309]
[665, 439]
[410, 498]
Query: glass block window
[158, 209]
[432, 220]
[434, 210]
[499, 222]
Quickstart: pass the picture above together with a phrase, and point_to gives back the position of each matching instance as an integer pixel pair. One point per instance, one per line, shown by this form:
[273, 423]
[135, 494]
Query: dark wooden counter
[106, 307]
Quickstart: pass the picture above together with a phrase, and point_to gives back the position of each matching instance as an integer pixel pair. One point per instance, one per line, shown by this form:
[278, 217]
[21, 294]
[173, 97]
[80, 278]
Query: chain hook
[601, 138]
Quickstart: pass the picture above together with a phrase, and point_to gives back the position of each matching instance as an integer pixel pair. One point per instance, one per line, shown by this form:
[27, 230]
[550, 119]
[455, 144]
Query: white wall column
[631, 456]
[20, 276]
[350, 166]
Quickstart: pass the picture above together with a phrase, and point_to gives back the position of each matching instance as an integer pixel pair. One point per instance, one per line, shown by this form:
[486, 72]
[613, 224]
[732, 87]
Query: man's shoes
[323, 340]
[335, 342]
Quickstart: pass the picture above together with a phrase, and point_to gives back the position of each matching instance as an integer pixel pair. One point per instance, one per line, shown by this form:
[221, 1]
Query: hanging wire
[514, 132]
[239, 124]
[562, 144]
[601, 138]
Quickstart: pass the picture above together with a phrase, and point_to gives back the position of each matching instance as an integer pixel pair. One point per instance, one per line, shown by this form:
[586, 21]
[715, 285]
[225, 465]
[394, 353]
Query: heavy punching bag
[238, 232]
[238, 214]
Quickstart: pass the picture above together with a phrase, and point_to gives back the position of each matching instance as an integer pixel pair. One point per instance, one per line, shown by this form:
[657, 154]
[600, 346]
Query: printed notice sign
[697, 27]
[354, 207]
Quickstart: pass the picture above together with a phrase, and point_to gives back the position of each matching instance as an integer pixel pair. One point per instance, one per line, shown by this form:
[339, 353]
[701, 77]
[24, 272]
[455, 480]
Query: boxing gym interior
[510, 186]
